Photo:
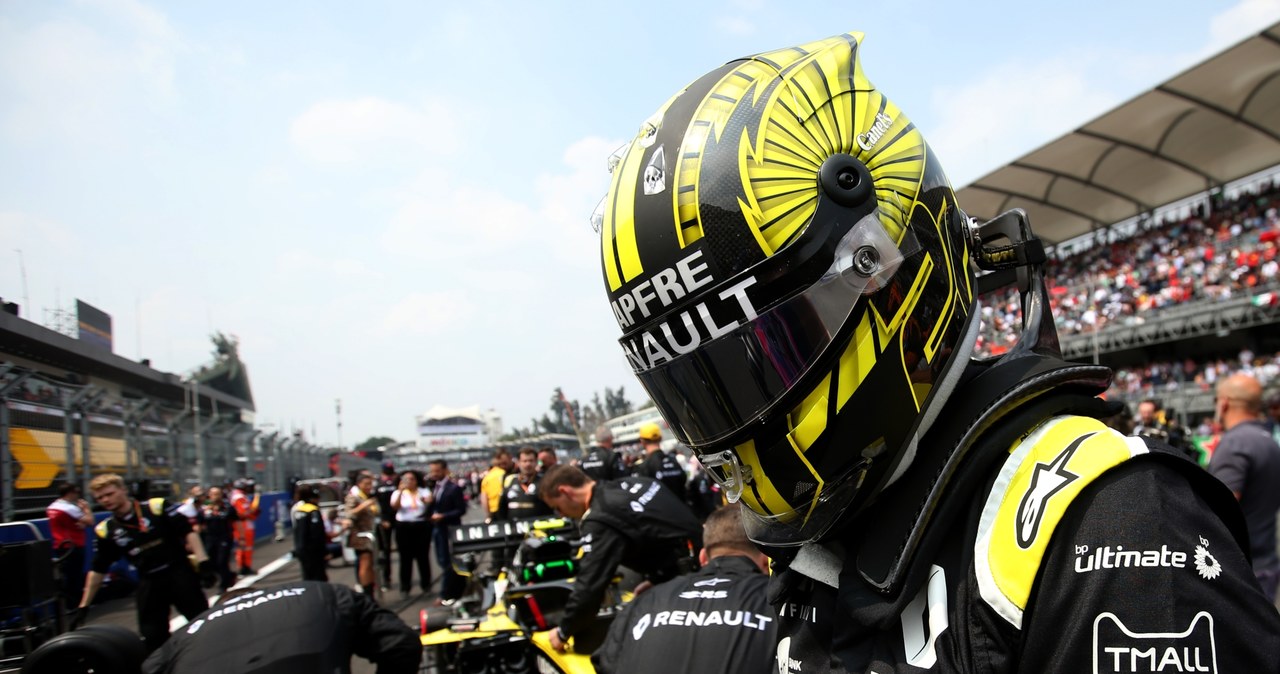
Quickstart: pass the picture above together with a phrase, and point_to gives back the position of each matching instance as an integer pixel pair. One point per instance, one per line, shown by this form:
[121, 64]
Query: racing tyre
[100, 649]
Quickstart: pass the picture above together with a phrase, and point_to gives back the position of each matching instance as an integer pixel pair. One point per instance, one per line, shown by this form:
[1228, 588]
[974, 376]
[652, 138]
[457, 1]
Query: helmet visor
[724, 384]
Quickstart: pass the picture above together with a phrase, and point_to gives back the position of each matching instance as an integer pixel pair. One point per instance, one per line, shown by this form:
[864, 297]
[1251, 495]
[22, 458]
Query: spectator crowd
[1229, 253]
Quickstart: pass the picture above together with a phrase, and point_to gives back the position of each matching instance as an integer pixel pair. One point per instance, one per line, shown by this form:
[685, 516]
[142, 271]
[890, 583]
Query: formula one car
[520, 576]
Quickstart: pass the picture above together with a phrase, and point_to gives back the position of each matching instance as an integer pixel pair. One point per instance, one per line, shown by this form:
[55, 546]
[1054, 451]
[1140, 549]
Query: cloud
[298, 262]
[1240, 21]
[26, 230]
[86, 80]
[440, 218]
[736, 25]
[357, 130]
[431, 313]
[1008, 111]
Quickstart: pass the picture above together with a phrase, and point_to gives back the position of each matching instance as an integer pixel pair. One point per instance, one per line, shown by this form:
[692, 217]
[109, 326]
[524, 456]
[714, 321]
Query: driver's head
[791, 275]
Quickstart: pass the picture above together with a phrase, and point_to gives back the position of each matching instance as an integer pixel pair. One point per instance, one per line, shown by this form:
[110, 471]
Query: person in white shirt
[413, 531]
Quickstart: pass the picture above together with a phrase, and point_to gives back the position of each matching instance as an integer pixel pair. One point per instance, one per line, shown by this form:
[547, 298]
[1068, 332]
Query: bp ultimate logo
[1119, 650]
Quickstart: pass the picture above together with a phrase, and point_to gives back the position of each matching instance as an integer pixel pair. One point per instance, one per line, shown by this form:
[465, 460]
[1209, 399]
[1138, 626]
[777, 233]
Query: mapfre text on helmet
[701, 323]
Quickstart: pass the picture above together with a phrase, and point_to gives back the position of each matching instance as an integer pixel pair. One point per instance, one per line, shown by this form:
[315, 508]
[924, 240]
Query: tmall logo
[1119, 650]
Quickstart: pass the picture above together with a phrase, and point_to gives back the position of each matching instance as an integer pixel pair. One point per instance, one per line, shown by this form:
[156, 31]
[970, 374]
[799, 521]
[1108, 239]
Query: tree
[373, 443]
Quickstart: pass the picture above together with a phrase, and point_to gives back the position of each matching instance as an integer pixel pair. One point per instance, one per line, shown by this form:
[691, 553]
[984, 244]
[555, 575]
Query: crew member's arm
[196, 546]
[86, 514]
[504, 507]
[598, 565]
[381, 636]
[105, 554]
[486, 487]
[182, 526]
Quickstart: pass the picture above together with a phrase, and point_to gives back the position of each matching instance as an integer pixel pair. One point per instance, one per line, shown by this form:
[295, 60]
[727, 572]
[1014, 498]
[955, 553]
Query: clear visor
[723, 385]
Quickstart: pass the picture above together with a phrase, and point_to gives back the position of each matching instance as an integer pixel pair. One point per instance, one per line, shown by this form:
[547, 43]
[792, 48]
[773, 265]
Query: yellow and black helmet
[792, 277]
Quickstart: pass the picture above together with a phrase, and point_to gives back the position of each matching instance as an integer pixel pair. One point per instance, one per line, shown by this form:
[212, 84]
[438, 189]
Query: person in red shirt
[68, 517]
[244, 499]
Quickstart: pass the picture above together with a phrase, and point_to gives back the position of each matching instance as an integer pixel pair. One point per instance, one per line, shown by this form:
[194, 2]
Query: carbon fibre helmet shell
[792, 277]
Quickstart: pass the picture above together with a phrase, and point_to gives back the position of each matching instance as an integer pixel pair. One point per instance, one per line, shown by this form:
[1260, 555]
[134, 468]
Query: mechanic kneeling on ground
[715, 620]
[154, 537]
[633, 522]
[304, 626]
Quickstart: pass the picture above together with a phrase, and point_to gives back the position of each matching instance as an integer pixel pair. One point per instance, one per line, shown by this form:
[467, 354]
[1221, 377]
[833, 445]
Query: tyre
[101, 649]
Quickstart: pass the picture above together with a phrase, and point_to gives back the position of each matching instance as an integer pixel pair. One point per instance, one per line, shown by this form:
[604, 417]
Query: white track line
[178, 621]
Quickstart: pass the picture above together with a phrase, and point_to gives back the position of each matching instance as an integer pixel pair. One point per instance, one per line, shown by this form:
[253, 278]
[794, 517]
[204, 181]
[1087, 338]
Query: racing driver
[797, 289]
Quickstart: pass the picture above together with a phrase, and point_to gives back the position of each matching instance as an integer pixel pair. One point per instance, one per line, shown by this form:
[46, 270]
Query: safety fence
[52, 432]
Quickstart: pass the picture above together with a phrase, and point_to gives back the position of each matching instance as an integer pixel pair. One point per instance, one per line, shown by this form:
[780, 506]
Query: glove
[81, 617]
[208, 575]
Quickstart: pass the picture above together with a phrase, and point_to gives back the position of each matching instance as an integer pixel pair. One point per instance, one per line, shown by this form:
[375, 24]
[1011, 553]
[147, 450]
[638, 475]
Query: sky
[388, 202]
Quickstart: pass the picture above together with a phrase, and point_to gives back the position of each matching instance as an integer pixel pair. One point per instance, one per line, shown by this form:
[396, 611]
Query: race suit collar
[886, 540]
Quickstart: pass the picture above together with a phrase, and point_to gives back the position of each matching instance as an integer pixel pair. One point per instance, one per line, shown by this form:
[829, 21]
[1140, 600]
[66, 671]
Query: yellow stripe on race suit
[1043, 475]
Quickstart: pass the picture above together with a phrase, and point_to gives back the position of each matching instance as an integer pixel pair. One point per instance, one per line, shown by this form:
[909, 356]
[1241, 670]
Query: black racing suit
[385, 532]
[219, 540]
[636, 523]
[1046, 543]
[715, 620]
[310, 541]
[297, 627]
[664, 468]
[602, 463]
[152, 537]
[520, 500]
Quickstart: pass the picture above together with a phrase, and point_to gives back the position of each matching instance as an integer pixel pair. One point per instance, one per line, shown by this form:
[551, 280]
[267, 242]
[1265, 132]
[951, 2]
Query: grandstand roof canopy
[1216, 122]
[442, 413]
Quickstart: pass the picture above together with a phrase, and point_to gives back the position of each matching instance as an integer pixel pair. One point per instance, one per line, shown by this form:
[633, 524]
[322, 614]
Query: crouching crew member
[154, 538]
[633, 522]
[715, 620]
[296, 627]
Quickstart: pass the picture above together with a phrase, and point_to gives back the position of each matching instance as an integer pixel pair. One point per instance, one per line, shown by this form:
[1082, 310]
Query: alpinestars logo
[1047, 480]
[1206, 564]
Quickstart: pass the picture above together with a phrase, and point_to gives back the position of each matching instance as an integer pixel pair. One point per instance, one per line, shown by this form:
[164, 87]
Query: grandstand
[1161, 221]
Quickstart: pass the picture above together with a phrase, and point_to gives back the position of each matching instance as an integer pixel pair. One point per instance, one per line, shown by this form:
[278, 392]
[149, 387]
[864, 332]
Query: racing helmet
[791, 274]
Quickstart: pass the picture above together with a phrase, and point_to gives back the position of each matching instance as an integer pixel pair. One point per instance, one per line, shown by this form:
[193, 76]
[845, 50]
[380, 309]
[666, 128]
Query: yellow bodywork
[496, 622]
